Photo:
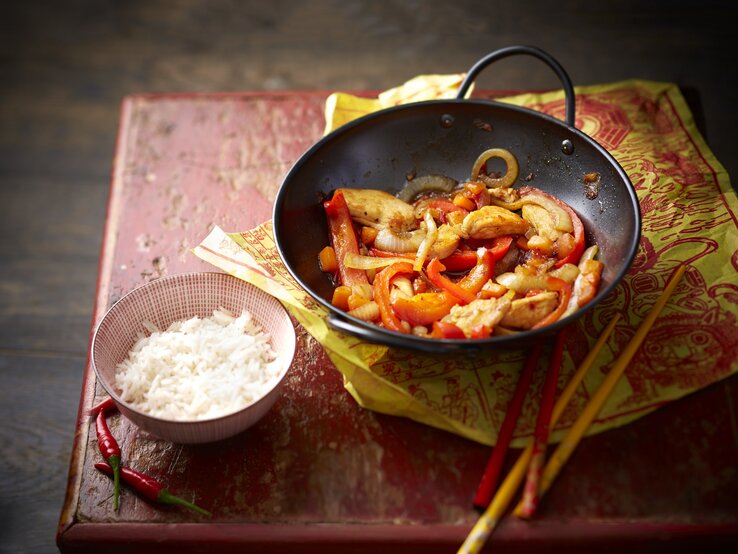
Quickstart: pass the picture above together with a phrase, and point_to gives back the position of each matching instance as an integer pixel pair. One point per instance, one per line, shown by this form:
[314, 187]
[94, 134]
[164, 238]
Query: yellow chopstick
[593, 407]
[488, 521]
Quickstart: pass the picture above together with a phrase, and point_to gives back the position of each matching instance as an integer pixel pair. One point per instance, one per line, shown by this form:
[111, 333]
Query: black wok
[445, 137]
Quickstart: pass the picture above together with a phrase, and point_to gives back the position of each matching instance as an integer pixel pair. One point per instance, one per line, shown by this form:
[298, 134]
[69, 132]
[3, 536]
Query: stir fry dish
[456, 260]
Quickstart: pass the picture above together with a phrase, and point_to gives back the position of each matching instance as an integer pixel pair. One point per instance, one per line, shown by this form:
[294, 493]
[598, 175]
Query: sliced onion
[390, 241]
[357, 261]
[364, 290]
[589, 254]
[567, 272]
[425, 246]
[426, 183]
[405, 285]
[366, 312]
[522, 283]
[510, 176]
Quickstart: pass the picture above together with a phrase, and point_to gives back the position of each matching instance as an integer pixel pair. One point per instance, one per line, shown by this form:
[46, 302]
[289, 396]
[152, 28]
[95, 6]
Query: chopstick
[566, 447]
[492, 515]
[487, 485]
[487, 523]
[543, 428]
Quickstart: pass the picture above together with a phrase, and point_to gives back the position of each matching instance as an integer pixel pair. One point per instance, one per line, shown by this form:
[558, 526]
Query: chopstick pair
[493, 469]
[544, 423]
[487, 523]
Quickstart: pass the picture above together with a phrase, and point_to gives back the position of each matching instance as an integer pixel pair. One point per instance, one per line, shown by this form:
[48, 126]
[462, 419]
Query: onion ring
[507, 179]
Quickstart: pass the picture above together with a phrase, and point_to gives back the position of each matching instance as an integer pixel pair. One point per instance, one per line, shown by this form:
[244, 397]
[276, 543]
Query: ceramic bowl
[180, 297]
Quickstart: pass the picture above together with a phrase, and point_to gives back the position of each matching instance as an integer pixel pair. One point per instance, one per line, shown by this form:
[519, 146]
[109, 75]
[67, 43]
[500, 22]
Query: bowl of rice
[194, 357]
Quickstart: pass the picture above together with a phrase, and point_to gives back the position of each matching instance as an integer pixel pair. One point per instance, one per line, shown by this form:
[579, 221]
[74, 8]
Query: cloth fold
[689, 216]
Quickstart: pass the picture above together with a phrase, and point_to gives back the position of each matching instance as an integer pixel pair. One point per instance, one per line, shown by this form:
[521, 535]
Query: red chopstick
[492, 471]
[529, 503]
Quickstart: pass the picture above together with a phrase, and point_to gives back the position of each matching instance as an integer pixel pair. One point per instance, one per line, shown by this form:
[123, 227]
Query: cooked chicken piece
[380, 209]
[524, 313]
[486, 312]
[504, 194]
[492, 221]
[541, 220]
[445, 243]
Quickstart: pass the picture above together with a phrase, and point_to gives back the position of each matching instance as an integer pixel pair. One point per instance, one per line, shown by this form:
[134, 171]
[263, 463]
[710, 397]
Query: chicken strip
[485, 312]
[524, 313]
[489, 222]
[379, 209]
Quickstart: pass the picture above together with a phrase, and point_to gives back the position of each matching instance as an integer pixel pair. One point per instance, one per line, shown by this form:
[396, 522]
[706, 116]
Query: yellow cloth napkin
[340, 108]
[689, 216]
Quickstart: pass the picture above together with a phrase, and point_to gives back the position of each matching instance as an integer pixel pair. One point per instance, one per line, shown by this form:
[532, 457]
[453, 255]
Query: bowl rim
[125, 406]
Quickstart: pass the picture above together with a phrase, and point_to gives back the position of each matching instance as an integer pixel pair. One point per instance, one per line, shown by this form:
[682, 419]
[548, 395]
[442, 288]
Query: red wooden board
[318, 473]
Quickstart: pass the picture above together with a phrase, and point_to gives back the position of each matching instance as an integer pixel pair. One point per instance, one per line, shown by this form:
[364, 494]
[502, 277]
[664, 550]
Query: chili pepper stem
[114, 462]
[165, 497]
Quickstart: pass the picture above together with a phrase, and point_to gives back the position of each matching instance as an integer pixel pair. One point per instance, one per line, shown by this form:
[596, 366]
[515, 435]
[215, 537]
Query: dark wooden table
[320, 474]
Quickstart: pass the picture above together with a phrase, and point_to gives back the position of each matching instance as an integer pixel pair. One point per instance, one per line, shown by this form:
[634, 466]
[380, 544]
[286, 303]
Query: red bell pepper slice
[463, 260]
[460, 260]
[343, 238]
[444, 207]
[480, 332]
[480, 273]
[433, 271]
[564, 290]
[424, 308]
[377, 253]
[467, 287]
[576, 253]
[443, 330]
[382, 294]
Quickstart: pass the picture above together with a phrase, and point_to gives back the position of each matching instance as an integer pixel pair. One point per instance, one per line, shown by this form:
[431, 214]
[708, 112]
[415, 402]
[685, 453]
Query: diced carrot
[475, 187]
[492, 290]
[455, 218]
[327, 260]
[464, 202]
[368, 234]
[340, 297]
[356, 300]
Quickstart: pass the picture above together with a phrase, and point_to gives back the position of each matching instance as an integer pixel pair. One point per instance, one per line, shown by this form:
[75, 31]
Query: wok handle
[530, 51]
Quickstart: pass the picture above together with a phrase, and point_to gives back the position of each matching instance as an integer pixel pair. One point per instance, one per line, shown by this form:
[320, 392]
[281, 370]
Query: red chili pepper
[107, 405]
[150, 488]
[110, 451]
[343, 238]
[382, 294]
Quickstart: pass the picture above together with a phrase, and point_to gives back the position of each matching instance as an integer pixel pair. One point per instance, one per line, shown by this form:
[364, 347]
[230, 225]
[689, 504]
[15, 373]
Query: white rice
[199, 368]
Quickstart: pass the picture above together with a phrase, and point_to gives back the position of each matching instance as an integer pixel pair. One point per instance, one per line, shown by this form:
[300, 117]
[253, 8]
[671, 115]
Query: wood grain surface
[64, 68]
